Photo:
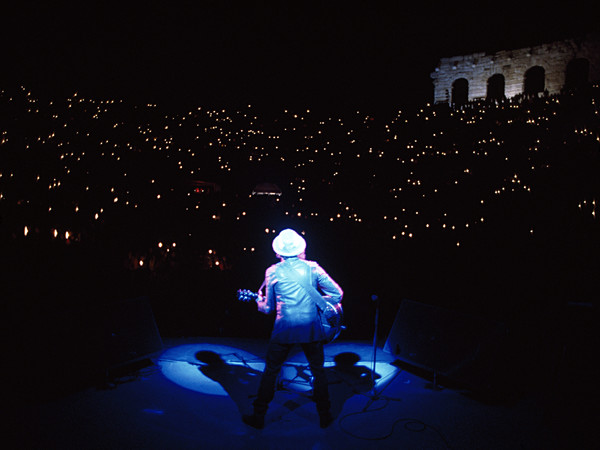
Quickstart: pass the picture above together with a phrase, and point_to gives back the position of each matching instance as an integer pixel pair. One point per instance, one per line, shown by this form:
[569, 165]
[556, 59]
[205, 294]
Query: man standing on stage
[296, 322]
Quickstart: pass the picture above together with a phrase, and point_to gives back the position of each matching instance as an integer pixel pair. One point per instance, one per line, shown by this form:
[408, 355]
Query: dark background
[222, 52]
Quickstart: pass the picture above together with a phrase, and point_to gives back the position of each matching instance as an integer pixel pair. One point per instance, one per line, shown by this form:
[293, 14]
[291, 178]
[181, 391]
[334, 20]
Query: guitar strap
[264, 283]
[295, 276]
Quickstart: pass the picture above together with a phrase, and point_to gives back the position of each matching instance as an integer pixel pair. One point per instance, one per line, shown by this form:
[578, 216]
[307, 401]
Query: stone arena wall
[477, 68]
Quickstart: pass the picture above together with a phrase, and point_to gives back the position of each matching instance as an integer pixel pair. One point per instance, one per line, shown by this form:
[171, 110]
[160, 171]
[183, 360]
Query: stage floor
[191, 395]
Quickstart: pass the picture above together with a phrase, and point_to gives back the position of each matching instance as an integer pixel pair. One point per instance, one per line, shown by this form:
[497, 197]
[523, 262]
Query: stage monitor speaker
[457, 345]
[129, 332]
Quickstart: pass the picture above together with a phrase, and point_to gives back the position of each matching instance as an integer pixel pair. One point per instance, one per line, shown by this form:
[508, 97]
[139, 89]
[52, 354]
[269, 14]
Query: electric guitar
[330, 317]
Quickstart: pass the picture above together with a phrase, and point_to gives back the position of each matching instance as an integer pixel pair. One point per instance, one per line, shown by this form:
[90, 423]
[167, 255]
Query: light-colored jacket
[296, 319]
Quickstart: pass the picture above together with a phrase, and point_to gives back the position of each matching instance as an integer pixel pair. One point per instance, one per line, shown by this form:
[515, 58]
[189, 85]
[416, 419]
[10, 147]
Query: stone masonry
[512, 66]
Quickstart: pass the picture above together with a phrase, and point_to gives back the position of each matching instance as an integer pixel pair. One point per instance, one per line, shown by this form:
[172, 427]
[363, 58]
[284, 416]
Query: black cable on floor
[410, 424]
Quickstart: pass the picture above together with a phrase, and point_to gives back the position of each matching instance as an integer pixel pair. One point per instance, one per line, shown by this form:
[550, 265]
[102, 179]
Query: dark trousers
[277, 353]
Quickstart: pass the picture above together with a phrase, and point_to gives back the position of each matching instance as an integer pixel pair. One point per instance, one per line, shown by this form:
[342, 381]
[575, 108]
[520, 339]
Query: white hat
[289, 243]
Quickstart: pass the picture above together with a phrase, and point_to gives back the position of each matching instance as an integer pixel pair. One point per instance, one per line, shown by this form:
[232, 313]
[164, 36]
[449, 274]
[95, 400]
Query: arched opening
[495, 87]
[460, 91]
[577, 74]
[534, 81]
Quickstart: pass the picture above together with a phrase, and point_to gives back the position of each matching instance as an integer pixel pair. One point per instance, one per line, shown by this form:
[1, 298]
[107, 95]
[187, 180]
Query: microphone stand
[375, 298]
[374, 395]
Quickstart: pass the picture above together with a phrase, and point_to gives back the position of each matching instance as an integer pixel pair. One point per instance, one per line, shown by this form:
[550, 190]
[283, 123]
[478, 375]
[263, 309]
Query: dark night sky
[220, 51]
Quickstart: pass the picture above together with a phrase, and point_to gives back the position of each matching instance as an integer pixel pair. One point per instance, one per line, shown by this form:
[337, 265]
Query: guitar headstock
[246, 295]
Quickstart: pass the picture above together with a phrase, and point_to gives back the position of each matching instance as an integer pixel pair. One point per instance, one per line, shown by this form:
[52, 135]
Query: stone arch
[460, 91]
[495, 87]
[535, 80]
[553, 66]
[577, 73]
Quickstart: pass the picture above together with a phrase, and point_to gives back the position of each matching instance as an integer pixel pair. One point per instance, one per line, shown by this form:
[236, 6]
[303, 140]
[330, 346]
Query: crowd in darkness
[485, 207]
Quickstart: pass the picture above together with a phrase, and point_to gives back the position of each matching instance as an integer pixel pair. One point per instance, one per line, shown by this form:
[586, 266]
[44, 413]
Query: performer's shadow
[239, 381]
[347, 379]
